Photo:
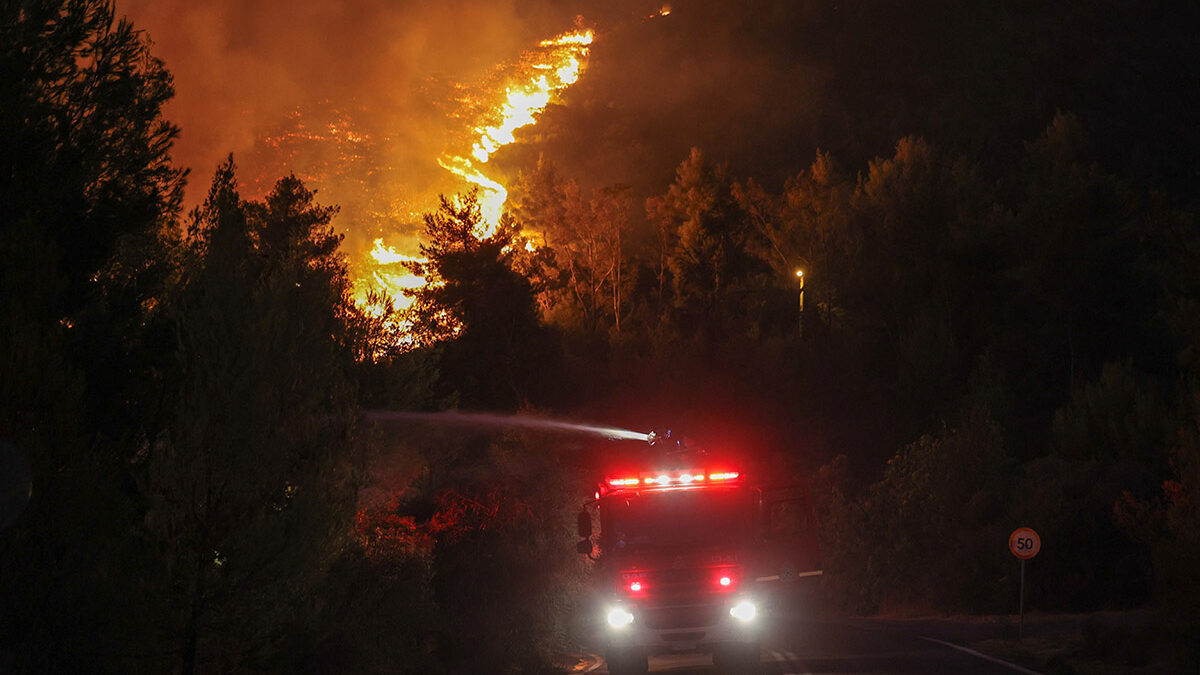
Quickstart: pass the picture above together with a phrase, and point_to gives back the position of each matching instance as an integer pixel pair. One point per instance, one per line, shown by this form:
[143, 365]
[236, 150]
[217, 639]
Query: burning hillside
[330, 147]
[540, 75]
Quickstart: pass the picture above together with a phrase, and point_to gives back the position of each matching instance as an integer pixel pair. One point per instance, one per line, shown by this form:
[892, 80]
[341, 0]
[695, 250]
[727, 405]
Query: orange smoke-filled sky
[241, 67]
[392, 74]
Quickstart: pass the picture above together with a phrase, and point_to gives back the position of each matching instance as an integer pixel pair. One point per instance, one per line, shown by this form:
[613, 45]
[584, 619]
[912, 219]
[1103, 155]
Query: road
[820, 646]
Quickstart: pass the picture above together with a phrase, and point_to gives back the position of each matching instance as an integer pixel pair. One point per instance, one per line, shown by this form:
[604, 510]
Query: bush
[928, 535]
[473, 538]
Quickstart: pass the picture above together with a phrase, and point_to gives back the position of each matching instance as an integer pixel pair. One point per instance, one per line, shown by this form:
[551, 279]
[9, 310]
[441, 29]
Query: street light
[800, 320]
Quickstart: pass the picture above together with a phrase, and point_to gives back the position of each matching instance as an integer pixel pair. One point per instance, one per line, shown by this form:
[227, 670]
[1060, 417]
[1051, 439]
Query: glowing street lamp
[800, 320]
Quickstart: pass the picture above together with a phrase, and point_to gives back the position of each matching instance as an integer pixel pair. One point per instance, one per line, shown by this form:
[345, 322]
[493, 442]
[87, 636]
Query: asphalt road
[819, 646]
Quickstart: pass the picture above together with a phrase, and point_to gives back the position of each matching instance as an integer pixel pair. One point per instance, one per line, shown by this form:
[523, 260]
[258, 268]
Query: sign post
[1024, 543]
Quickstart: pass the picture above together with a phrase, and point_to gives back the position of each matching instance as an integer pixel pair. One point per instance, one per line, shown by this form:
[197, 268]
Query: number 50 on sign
[1024, 543]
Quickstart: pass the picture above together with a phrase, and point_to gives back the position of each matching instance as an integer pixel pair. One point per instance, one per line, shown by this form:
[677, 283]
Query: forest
[998, 325]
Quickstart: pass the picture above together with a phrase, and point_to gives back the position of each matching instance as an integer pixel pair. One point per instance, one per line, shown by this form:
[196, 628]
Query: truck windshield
[703, 517]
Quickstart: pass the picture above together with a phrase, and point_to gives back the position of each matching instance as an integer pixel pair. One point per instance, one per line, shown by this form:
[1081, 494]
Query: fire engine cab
[692, 554]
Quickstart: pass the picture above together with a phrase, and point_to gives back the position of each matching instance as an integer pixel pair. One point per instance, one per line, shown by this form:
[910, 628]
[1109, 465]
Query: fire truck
[693, 554]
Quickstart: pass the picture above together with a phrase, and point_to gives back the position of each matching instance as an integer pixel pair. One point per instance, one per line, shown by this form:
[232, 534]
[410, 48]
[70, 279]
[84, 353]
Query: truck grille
[683, 637]
[678, 582]
[692, 616]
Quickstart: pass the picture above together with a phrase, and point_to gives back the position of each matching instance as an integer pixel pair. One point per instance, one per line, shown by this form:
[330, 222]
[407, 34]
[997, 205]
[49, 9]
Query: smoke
[738, 80]
[240, 68]
[359, 98]
[372, 82]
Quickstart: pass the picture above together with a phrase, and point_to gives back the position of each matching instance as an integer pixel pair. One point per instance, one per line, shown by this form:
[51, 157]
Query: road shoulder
[1096, 643]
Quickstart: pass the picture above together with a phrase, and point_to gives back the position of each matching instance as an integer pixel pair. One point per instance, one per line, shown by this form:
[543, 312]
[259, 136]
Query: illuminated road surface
[817, 647]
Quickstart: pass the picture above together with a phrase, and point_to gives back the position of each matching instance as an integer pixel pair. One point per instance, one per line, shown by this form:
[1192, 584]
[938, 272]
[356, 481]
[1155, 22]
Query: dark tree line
[982, 346]
[185, 395]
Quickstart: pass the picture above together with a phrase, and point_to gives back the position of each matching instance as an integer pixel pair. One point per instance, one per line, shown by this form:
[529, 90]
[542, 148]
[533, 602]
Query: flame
[543, 72]
[389, 275]
[548, 70]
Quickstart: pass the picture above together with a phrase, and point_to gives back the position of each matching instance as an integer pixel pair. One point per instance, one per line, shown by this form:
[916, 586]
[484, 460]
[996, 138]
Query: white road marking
[985, 657]
[788, 658]
[798, 575]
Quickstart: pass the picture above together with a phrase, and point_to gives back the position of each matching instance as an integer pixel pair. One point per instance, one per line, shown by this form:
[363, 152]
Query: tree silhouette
[707, 241]
[87, 198]
[84, 162]
[248, 482]
[478, 309]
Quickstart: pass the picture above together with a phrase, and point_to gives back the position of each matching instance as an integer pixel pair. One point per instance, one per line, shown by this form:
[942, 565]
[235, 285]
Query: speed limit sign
[1024, 543]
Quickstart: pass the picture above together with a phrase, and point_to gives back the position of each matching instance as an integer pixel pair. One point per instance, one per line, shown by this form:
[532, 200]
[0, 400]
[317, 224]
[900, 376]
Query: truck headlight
[619, 617]
[743, 611]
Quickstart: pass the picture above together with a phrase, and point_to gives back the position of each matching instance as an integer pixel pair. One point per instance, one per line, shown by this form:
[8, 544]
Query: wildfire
[540, 74]
[554, 66]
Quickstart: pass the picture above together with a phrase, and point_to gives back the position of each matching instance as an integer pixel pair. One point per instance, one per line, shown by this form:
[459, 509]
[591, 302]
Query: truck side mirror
[584, 524]
[584, 547]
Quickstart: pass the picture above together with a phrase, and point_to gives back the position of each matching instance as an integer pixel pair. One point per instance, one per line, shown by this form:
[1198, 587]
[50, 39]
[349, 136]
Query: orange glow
[548, 70]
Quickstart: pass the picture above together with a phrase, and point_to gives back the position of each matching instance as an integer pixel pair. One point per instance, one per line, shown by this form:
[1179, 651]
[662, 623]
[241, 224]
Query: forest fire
[552, 67]
[541, 73]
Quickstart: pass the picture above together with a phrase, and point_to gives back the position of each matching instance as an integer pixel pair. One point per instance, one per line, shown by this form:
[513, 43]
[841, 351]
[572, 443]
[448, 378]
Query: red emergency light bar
[676, 479]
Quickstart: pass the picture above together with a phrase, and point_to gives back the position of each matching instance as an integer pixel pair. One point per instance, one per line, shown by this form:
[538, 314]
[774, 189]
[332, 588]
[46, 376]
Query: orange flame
[390, 271]
[386, 273]
[554, 66]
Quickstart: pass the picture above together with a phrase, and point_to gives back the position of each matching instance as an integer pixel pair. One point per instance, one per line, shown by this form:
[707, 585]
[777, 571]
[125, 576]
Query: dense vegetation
[992, 335]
